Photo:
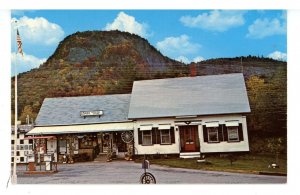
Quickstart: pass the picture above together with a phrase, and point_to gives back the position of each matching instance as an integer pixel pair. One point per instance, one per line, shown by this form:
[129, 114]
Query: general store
[184, 117]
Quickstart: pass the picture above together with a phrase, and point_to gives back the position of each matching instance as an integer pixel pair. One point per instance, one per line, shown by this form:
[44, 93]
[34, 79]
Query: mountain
[107, 62]
[93, 63]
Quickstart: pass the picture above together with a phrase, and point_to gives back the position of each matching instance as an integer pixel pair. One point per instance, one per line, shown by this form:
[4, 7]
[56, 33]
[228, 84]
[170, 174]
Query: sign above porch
[91, 113]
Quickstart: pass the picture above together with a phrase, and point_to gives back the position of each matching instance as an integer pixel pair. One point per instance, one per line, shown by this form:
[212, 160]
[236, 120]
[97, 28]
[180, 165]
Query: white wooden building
[204, 114]
[177, 116]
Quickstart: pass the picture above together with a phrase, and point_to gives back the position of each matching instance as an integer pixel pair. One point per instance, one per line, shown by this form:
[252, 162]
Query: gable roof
[66, 110]
[186, 96]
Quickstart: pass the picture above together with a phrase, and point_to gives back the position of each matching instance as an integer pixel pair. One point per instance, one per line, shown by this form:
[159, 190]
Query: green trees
[268, 117]
[27, 111]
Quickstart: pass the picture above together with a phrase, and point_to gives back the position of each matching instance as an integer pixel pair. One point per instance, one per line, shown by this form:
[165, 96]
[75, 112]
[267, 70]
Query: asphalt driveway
[124, 172]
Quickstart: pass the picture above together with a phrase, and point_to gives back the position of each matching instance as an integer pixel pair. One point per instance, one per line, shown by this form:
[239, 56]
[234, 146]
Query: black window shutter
[153, 132]
[225, 132]
[241, 136]
[220, 133]
[140, 136]
[157, 136]
[153, 136]
[205, 138]
[172, 135]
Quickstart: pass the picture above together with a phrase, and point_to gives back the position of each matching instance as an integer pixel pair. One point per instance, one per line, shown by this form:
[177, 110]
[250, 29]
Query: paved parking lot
[124, 172]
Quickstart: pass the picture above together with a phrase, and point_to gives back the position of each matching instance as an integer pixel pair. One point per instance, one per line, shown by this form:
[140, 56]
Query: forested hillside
[107, 62]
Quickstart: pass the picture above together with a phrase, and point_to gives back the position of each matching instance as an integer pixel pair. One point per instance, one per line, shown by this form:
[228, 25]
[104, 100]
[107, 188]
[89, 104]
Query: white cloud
[183, 59]
[186, 60]
[177, 46]
[25, 63]
[262, 28]
[38, 31]
[127, 23]
[198, 59]
[215, 20]
[277, 55]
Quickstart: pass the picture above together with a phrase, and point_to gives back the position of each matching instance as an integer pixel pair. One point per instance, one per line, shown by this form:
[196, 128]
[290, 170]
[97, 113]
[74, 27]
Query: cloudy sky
[187, 36]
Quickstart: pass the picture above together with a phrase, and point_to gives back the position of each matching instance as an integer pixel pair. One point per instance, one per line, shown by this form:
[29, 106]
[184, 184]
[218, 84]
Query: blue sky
[185, 35]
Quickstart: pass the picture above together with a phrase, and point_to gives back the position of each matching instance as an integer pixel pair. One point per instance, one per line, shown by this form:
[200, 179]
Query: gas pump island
[40, 158]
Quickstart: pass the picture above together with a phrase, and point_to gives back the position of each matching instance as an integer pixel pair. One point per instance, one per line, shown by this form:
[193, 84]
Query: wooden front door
[189, 139]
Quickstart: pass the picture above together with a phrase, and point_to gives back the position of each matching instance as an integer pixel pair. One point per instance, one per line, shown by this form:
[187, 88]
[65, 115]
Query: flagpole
[14, 175]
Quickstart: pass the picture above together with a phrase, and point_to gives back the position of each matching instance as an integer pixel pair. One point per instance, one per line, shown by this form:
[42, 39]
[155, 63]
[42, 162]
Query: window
[12, 159]
[213, 134]
[30, 147]
[165, 136]
[21, 141]
[233, 134]
[147, 137]
[30, 141]
[22, 159]
[26, 147]
[18, 153]
[12, 141]
[18, 147]
[62, 146]
[21, 147]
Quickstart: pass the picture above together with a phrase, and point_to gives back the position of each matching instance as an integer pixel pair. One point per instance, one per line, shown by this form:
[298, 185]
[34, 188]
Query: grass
[244, 164]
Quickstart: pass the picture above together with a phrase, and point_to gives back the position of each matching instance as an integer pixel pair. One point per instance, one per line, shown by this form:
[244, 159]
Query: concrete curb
[271, 173]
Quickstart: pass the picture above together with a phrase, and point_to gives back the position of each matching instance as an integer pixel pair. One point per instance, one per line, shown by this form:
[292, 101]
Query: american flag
[19, 42]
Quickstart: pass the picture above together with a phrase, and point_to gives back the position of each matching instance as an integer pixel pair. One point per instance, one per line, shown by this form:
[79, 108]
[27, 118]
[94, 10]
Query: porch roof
[91, 128]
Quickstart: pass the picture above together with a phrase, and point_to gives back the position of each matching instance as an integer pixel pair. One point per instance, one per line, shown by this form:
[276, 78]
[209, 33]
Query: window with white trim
[165, 136]
[147, 137]
[233, 134]
[212, 133]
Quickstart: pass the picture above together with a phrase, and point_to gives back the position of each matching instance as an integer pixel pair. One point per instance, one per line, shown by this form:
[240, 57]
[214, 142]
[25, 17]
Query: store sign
[91, 113]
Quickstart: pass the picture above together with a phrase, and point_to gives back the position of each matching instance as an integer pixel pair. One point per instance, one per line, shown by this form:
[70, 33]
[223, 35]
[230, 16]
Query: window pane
[62, 146]
[213, 134]
[233, 134]
[147, 138]
[165, 137]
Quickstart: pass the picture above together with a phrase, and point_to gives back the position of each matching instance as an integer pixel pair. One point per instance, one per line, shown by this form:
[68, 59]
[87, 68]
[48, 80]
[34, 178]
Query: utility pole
[242, 64]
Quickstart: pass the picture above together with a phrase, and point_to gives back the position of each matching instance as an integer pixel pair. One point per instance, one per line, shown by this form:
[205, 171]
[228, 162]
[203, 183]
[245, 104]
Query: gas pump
[31, 162]
[48, 158]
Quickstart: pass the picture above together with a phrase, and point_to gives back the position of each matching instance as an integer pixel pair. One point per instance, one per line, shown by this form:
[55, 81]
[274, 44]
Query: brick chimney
[193, 69]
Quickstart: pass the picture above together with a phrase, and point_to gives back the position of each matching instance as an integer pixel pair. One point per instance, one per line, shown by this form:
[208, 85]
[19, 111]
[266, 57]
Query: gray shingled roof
[202, 95]
[66, 110]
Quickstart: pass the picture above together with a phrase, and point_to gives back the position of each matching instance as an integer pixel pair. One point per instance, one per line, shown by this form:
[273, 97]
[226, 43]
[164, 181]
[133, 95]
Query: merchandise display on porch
[70, 142]
[127, 137]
